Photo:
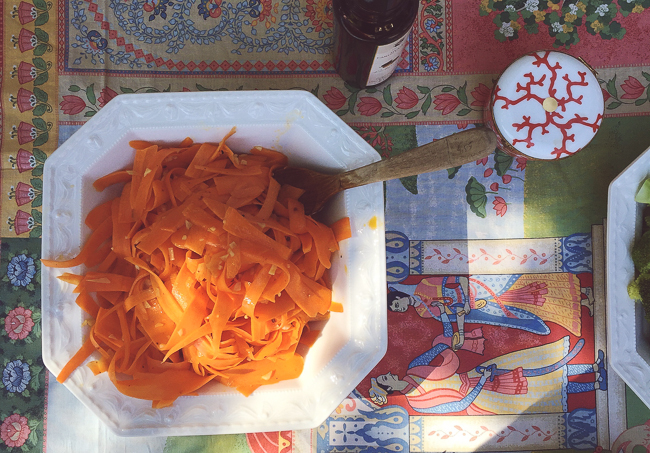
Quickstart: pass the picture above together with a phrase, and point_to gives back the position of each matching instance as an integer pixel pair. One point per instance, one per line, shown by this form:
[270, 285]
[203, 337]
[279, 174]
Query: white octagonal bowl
[293, 122]
[628, 333]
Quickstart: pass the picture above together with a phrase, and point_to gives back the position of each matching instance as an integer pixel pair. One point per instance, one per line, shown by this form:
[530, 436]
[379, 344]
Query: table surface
[537, 223]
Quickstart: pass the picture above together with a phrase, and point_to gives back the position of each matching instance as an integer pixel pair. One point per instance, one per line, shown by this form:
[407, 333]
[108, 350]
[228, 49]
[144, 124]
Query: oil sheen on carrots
[204, 269]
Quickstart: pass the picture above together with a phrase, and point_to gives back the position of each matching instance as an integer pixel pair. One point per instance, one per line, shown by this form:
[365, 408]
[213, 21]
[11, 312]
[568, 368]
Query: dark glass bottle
[369, 36]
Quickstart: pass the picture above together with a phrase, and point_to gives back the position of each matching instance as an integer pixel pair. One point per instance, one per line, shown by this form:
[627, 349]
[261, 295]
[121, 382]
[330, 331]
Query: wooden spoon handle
[451, 151]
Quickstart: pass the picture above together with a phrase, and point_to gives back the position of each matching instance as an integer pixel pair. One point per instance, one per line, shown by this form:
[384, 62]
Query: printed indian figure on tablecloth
[509, 379]
[466, 345]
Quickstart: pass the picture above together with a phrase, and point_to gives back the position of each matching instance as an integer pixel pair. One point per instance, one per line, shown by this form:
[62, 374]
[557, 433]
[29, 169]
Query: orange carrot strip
[100, 255]
[277, 158]
[98, 214]
[139, 144]
[139, 166]
[117, 177]
[82, 354]
[201, 157]
[297, 219]
[237, 225]
[73, 279]
[103, 281]
[87, 304]
[206, 268]
[96, 238]
[321, 241]
[269, 202]
[167, 385]
[187, 141]
[342, 229]
[153, 166]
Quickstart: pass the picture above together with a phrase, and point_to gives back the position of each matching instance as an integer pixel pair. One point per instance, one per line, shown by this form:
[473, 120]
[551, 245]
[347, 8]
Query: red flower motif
[369, 106]
[26, 13]
[482, 95]
[215, 8]
[320, 13]
[521, 163]
[500, 206]
[506, 179]
[25, 160]
[18, 323]
[488, 172]
[23, 222]
[25, 100]
[633, 88]
[14, 430]
[406, 98]
[446, 103]
[24, 193]
[483, 161]
[606, 94]
[186, 89]
[26, 133]
[71, 105]
[26, 72]
[334, 99]
[27, 40]
[494, 186]
[106, 95]
[281, 442]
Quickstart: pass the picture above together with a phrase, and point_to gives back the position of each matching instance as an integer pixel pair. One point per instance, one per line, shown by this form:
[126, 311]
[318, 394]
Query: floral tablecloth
[528, 225]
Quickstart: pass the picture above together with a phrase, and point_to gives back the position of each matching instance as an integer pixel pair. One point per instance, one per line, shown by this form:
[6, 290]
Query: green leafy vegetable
[639, 288]
[643, 195]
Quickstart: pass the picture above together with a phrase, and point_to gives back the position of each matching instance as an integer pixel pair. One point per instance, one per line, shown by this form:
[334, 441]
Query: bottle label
[386, 59]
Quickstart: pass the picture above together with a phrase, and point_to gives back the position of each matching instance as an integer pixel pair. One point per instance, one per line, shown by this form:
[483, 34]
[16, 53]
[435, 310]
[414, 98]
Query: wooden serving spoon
[451, 151]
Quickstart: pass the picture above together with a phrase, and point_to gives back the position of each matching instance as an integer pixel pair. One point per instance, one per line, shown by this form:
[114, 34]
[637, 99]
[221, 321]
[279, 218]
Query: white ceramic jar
[546, 105]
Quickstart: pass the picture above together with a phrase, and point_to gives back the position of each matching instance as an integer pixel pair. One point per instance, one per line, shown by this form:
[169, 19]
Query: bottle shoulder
[378, 28]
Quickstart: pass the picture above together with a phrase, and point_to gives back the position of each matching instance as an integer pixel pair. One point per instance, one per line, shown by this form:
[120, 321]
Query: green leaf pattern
[562, 20]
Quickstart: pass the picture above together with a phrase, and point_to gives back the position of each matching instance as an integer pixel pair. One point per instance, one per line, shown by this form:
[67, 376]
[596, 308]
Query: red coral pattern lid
[548, 105]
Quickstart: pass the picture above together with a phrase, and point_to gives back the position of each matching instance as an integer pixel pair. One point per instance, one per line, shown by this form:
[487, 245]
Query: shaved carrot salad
[204, 268]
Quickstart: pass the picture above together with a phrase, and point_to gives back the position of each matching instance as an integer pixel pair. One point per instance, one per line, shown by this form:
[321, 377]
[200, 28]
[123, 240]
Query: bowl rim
[623, 225]
[283, 97]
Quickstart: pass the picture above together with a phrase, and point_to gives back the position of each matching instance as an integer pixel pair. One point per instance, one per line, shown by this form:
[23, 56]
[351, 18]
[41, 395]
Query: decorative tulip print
[25, 12]
[406, 98]
[26, 160]
[24, 193]
[73, 104]
[24, 222]
[334, 99]
[369, 106]
[35, 72]
[38, 12]
[405, 102]
[36, 41]
[37, 132]
[633, 88]
[446, 103]
[105, 95]
[481, 95]
[636, 91]
[35, 100]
